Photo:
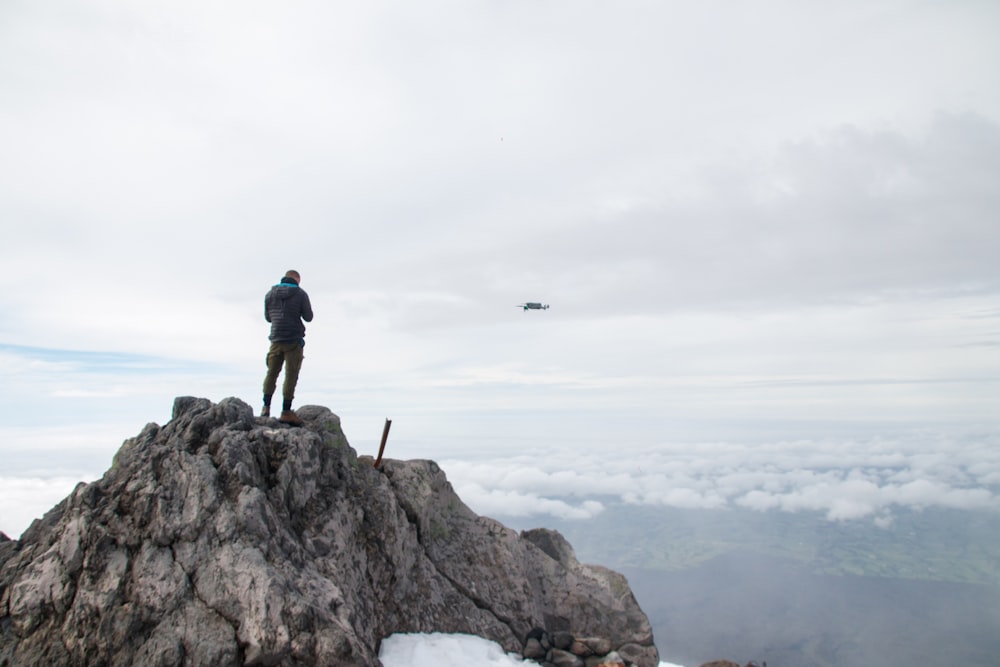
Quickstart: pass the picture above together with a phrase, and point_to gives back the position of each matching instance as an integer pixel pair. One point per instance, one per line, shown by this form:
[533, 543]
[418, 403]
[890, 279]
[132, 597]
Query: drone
[531, 305]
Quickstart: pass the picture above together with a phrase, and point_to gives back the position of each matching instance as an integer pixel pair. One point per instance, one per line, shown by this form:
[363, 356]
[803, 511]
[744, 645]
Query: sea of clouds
[846, 479]
[860, 478]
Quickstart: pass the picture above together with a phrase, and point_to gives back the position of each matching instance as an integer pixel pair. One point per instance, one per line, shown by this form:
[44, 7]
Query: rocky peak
[224, 539]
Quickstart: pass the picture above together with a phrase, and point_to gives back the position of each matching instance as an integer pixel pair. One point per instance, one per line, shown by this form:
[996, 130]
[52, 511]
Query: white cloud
[22, 500]
[842, 479]
[493, 502]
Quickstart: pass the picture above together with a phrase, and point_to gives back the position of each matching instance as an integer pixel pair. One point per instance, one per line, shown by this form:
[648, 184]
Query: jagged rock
[576, 585]
[533, 649]
[585, 646]
[553, 544]
[560, 658]
[636, 654]
[221, 539]
[7, 547]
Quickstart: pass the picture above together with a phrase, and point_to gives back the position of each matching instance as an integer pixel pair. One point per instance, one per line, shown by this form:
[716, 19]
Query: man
[286, 305]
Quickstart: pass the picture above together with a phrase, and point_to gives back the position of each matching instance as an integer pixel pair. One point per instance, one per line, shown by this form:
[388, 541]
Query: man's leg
[293, 364]
[275, 359]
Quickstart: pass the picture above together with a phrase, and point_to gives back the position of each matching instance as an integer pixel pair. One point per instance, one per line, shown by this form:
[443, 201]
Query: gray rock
[597, 645]
[639, 654]
[223, 539]
[560, 658]
[533, 649]
[7, 548]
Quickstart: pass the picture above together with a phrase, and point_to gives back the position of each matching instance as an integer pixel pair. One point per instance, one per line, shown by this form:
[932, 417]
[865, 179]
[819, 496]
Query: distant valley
[796, 589]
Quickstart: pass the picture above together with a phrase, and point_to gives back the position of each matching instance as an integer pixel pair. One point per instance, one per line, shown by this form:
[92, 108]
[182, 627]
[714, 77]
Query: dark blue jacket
[285, 306]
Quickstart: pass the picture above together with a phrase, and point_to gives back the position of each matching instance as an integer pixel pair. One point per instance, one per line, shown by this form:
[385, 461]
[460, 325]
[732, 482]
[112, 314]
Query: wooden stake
[385, 436]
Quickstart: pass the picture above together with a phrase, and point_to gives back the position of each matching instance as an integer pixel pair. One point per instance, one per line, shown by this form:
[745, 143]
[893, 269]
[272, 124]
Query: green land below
[932, 545]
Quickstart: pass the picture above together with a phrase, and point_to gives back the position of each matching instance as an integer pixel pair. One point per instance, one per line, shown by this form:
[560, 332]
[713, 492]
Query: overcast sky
[769, 227]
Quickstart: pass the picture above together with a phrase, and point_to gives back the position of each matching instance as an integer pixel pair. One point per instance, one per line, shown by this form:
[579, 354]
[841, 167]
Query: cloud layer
[844, 479]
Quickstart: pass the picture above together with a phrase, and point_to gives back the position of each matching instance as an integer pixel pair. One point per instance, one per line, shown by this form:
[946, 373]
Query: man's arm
[307, 310]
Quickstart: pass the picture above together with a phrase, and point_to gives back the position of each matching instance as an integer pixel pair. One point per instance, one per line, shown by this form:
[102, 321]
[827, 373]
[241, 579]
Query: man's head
[294, 275]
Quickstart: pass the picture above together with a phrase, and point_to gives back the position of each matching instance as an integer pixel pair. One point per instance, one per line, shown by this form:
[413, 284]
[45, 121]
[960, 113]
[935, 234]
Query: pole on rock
[385, 436]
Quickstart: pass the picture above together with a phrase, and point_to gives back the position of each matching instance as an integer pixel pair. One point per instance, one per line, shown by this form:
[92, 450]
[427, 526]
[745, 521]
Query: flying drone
[531, 305]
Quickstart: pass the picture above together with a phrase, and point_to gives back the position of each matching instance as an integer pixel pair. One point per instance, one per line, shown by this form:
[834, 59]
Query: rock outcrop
[223, 539]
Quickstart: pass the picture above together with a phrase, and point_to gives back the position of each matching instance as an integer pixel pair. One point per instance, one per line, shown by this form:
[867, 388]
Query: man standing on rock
[286, 305]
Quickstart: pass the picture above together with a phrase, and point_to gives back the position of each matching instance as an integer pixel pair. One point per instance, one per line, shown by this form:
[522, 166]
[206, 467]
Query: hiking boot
[265, 411]
[289, 417]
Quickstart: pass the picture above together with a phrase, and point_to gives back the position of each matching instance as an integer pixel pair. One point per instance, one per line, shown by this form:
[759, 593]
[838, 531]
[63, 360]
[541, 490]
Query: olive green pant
[290, 356]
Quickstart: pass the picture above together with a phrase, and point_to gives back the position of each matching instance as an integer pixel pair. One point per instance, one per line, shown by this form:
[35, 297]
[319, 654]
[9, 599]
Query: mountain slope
[223, 539]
